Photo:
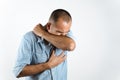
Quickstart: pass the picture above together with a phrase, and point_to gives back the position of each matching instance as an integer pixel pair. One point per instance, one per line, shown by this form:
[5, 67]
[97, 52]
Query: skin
[55, 33]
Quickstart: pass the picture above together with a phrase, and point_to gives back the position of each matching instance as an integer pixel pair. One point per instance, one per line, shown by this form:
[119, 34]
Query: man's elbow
[71, 46]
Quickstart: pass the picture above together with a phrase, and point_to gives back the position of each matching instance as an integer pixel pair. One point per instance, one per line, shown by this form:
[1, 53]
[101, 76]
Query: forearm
[62, 42]
[33, 69]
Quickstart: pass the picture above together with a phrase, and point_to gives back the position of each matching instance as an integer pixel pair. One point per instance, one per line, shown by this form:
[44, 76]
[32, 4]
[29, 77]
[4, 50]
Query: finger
[53, 53]
[62, 54]
[63, 58]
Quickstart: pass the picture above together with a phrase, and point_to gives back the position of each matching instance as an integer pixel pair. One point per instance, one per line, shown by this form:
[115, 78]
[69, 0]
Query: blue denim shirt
[33, 50]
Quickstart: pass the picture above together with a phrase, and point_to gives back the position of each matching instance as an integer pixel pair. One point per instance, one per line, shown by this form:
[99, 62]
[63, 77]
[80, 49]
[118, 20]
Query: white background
[96, 26]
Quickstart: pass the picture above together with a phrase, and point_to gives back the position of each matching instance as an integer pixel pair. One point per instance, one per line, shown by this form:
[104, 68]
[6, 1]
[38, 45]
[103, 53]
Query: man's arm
[33, 69]
[38, 68]
[62, 42]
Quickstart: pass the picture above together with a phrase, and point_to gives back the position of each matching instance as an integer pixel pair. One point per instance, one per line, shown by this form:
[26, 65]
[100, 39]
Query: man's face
[60, 27]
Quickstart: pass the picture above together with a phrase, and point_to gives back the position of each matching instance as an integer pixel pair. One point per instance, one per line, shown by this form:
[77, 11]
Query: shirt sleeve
[70, 35]
[24, 56]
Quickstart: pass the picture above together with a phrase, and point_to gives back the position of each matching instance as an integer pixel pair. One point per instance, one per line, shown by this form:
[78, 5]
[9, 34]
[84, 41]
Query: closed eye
[63, 32]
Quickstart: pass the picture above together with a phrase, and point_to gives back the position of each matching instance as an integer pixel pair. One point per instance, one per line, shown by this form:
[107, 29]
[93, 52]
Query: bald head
[60, 13]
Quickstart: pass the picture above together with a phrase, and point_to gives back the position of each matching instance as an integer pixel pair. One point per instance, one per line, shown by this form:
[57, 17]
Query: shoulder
[70, 34]
[30, 36]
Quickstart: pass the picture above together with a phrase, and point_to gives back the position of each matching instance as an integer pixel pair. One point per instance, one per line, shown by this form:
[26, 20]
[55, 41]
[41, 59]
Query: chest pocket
[40, 55]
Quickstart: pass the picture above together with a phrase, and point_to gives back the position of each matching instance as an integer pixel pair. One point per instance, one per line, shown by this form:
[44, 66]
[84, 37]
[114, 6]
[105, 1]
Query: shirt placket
[52, 70]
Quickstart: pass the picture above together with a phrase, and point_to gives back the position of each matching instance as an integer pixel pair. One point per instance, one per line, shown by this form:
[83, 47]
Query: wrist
[47, 64]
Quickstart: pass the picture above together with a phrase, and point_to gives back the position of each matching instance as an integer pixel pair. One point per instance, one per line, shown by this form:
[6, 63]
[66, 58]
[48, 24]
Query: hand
[56, 60]
[38, 30]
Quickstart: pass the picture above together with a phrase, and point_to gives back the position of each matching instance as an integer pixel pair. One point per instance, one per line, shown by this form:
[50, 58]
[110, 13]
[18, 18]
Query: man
[42, 53]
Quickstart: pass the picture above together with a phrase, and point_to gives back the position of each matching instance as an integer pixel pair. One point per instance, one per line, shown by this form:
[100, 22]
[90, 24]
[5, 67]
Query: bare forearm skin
[62, 42]
[33, 69]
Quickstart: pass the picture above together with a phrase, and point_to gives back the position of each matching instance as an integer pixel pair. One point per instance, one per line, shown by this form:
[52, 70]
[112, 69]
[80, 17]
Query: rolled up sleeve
[24, 56]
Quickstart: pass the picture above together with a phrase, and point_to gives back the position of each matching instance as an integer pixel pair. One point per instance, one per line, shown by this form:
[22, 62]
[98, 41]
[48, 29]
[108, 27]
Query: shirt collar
[40, 39]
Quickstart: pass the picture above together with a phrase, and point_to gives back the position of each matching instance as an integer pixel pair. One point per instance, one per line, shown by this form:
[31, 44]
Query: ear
[48, 25]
